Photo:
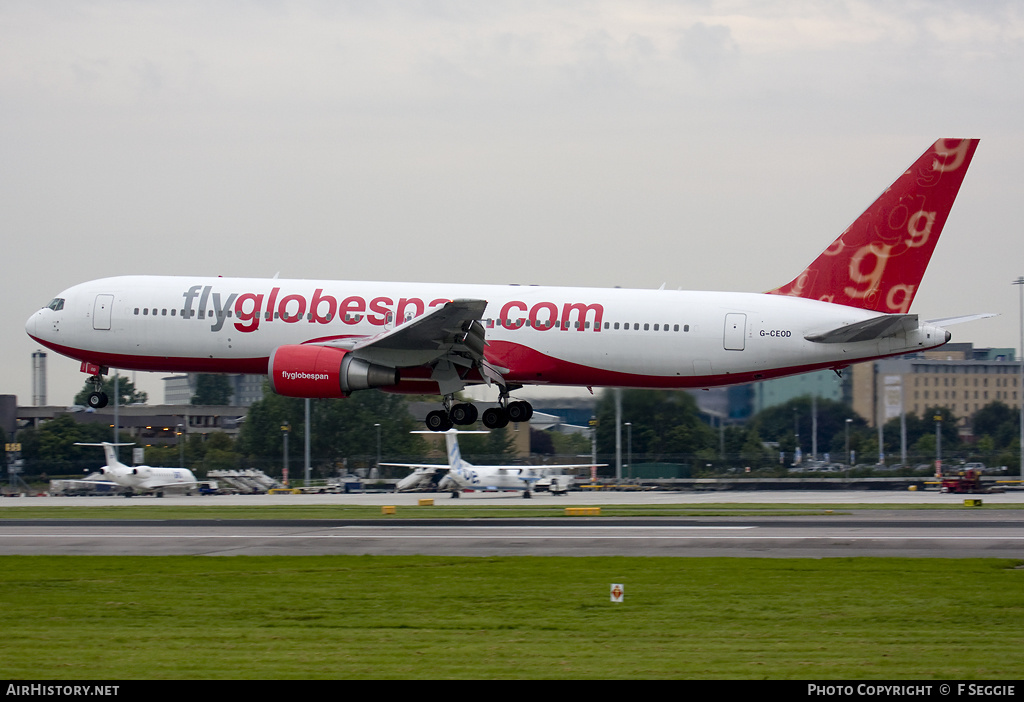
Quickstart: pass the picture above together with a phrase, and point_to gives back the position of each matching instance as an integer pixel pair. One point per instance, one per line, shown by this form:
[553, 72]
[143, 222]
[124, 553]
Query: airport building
[9, 414]
[824, 384]
[245, 389]
[956, 377]
[146, 424]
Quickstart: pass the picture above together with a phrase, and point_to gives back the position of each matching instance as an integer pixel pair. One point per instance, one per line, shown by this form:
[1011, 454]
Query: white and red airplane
[331, 338]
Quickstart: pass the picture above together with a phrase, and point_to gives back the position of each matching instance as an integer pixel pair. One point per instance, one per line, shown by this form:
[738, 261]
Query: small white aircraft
[463, 475]
[141, 479]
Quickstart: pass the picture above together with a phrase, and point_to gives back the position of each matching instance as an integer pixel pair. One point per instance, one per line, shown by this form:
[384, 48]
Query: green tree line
[666, 427]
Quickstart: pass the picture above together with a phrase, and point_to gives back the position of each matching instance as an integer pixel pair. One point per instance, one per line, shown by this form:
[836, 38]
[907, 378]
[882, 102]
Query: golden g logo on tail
[878, 262]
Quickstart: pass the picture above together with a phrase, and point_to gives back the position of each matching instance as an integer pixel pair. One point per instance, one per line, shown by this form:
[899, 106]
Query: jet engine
[308, 370]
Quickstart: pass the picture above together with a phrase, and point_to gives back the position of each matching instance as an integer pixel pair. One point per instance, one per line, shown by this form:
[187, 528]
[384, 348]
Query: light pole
[285, 428]
[629, 450]
[814, 427]
[377, 467]
[1020, 380]
[618, 434]
[880, 421]
[181, 445]
[593, 448]
[117, 417]
[796, 436]
[849, 462]
[903, 426]
[305, 442]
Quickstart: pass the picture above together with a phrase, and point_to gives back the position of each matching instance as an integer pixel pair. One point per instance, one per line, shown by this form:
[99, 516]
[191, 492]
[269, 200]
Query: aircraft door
[101, 312]
[735, 331]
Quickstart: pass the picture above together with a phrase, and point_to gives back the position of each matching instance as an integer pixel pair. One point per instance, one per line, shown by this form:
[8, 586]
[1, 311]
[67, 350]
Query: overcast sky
[703, 145]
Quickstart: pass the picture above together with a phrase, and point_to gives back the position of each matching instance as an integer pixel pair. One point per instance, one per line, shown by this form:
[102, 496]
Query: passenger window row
[163, 312]
[544, 324]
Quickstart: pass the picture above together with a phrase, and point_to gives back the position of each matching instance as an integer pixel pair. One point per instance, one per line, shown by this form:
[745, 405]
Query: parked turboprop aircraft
[142, 479]
[330, 338]
[463, 475]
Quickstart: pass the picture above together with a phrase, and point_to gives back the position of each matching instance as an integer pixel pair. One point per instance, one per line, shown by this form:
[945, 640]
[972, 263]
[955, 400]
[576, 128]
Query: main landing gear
[464, 413]
[97, 398]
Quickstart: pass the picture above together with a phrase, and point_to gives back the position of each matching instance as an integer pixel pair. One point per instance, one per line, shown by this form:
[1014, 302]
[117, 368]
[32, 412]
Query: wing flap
[438, 329]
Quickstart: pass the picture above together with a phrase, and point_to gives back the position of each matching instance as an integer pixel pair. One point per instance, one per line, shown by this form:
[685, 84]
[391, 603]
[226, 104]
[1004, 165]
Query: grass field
[434, 617]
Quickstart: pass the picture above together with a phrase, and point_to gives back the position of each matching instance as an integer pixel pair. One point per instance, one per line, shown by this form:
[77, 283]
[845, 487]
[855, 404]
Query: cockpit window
[56, 304]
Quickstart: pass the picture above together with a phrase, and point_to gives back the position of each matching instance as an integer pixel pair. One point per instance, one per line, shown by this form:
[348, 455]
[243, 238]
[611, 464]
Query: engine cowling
[307, 370]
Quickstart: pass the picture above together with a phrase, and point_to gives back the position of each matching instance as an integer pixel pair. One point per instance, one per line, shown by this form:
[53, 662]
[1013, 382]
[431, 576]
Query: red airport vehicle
[967, 482]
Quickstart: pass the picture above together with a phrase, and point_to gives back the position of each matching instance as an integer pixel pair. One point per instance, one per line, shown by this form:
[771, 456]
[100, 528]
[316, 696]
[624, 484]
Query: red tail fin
[878, 262]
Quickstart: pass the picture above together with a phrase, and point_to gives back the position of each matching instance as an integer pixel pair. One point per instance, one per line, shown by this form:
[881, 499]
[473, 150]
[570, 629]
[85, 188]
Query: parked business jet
[462, 475]
[330, 338]
[141, 479]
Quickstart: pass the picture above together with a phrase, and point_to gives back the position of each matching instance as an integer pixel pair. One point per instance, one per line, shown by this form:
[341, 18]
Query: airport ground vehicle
[967, 482]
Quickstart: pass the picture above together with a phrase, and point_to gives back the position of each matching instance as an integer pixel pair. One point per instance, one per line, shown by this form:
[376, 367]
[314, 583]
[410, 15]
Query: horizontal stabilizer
[949, 321]
[869, 329]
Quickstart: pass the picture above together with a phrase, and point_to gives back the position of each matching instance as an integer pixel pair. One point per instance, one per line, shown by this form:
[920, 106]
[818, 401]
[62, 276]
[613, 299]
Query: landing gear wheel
[463, 414]
[495, 418]
[519, 411]
[97, 400]
[527, 495]
[455, 494]
[438, 421]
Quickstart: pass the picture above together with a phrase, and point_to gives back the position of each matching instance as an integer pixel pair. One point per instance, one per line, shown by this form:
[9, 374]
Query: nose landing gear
[97, 398]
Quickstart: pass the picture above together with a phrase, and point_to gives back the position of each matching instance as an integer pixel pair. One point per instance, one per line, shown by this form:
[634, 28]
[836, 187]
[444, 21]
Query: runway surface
[954, 532]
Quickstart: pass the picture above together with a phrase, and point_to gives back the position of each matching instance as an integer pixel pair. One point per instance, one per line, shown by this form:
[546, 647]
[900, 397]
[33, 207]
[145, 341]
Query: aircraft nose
[30, 325]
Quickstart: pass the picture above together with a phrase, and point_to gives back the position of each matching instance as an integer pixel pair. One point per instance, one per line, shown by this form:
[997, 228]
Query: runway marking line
[560, 537]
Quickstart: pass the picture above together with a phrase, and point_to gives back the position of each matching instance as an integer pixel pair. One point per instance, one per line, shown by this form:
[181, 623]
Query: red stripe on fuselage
[529, 366]
[163, 364]
[526, 366]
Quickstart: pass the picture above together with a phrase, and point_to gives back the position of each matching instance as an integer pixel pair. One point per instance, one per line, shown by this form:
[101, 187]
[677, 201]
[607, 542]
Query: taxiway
[948, 530]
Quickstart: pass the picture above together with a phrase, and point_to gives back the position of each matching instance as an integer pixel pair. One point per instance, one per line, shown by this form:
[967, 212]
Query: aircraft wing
[543, 472]
[426, 338]
[874, 328]
[157, 483]
[574, 465]
[417, 465]
[448, 337]
[556, 466]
